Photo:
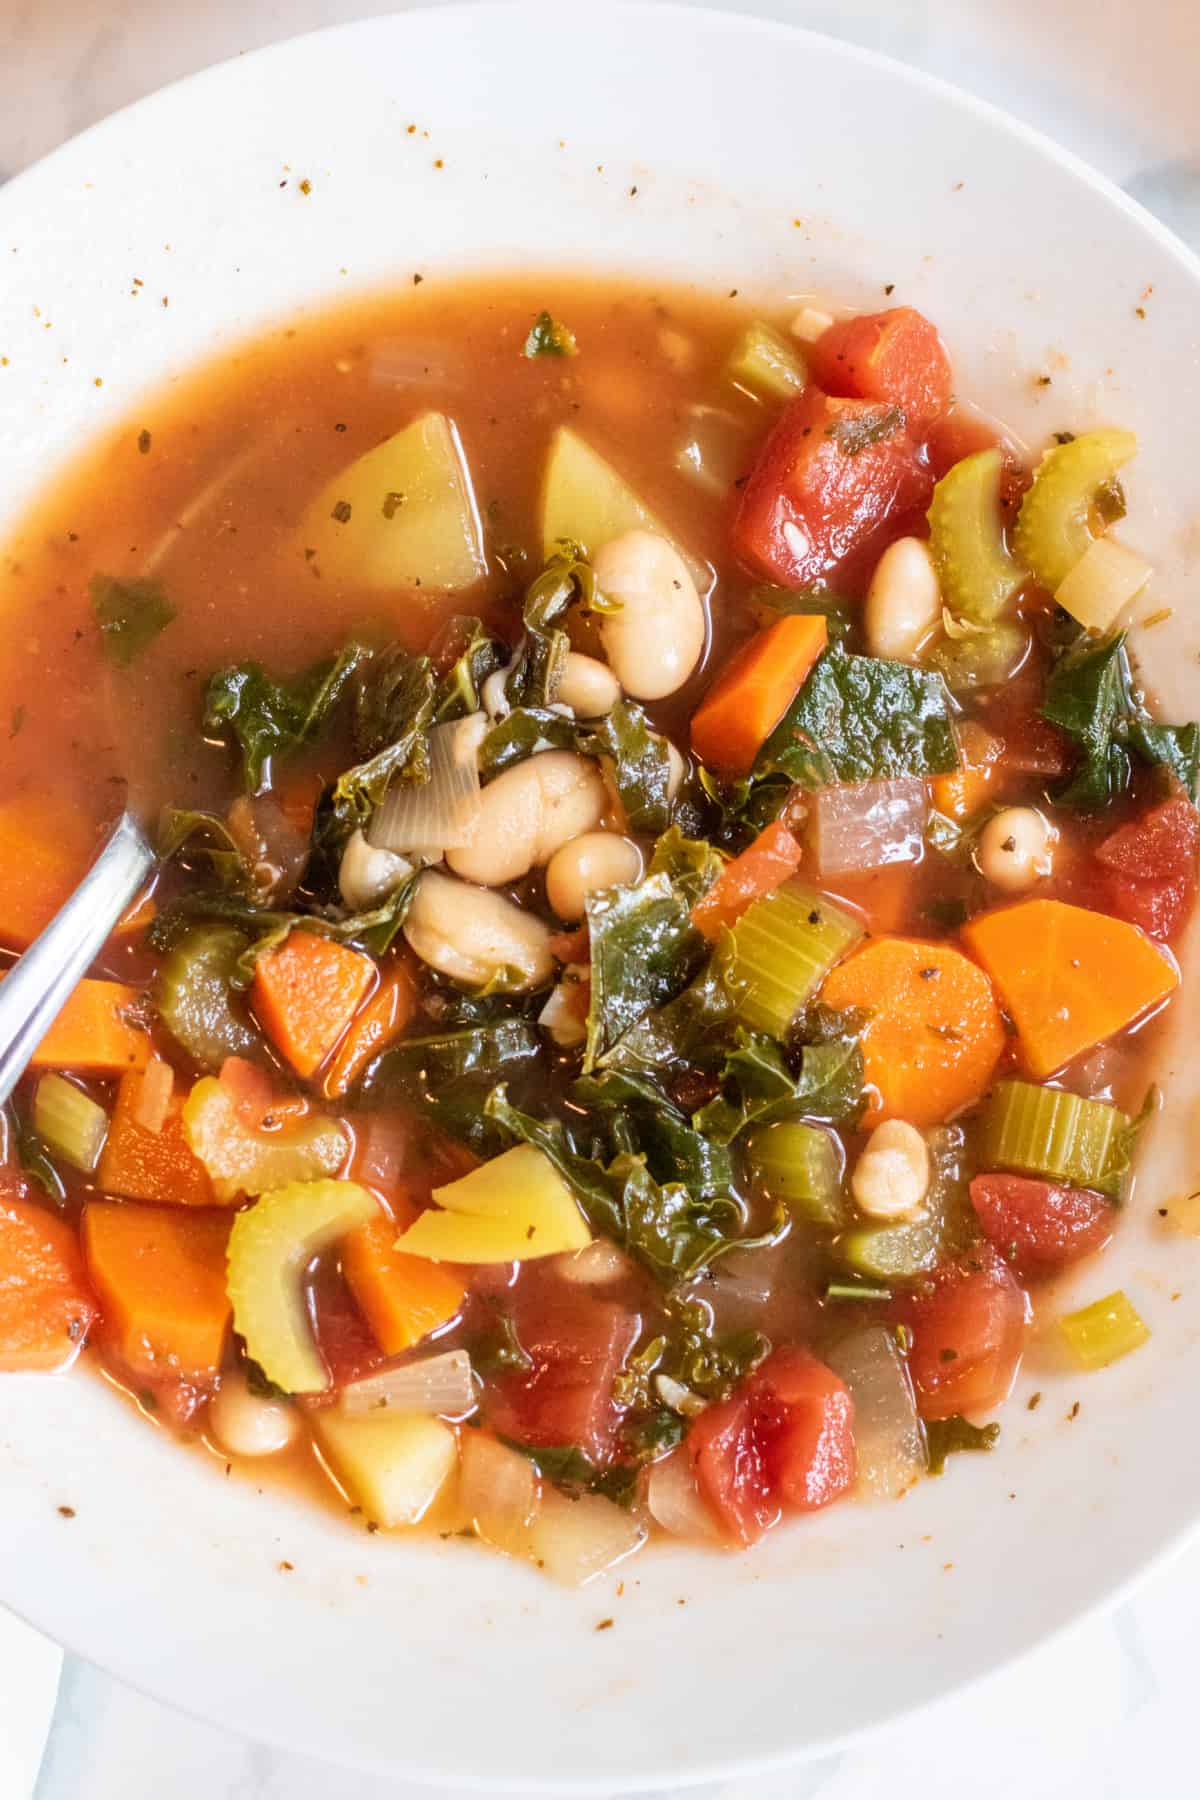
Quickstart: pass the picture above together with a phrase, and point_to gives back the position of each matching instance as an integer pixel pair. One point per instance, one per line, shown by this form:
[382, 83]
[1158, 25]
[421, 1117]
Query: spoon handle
[35, 990]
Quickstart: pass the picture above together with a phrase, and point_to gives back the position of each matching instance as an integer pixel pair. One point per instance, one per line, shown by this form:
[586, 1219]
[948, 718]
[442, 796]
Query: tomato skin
[975, 1308]
[576, 1345]
[782, 1442]
[1037, 1226]
[762, 866]
[894, 356]
[1149, 867]
[809, 504]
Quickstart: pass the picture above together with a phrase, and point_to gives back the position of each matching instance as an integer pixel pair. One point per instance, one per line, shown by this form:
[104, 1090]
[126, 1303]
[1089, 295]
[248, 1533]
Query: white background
[1102, 1714]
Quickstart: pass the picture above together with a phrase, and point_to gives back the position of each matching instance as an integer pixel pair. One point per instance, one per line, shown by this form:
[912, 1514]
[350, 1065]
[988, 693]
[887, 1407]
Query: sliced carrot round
[934, 1034]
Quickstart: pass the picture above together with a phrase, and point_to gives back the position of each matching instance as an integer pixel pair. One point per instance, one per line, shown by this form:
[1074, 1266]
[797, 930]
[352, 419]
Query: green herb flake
[130, 615]
[548, 337]
[392, 502]
[856, 433]
[946, 1437]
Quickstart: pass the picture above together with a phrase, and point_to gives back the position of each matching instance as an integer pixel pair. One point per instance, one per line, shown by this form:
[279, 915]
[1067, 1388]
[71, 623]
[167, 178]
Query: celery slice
[802, 1166]
[785, 944]
[270, 1246]
[945, 1224]
[586, 500]
[69, 1122]
[511, 1209]
[1103, 1332]
[1048, 1132]
[196, 999]
[978, 573]
[985, 659]
[1052, 531]
[394, 1464]
[402, 516]
[242, 1161]
[765, 364]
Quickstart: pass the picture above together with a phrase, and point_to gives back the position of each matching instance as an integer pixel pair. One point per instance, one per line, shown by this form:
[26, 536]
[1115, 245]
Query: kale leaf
[759, 1085]
[1091, 695]
[271, 719]
[641, 765]
[859, 718]
[549, 337]
[178, 827]
[395, 694]
[130, 615]
[649, 1124]
[477, 655]
[537, 666]
[474, 1053]
[687, 1028]
[644, 950]
[521, 734]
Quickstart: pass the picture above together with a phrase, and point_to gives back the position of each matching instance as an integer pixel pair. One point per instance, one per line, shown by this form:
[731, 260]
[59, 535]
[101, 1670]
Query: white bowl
[765, 159]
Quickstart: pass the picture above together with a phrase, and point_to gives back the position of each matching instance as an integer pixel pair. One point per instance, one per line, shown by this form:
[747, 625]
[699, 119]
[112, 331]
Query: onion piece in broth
[859, 825]
[435, 1384]
[887, 1432]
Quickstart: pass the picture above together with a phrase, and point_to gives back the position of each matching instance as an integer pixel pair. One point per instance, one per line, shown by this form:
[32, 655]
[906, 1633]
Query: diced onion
[716, 449]
[868, 824]
[1102, 583]
[597, 1266]
[675, 1503]
[574, 1541]
[887, 1431]
[500, 1492]
[810, 323]
[154, 1095]
[438, 814]
[435, 1384]
[383, 1144]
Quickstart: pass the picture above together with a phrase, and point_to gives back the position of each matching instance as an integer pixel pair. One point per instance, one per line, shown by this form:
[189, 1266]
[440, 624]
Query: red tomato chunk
[894, 356]
[968, 1331]
[1038, 1227]
[814, 499]
[783, 1442]
[576, 1345]
[1150, 867]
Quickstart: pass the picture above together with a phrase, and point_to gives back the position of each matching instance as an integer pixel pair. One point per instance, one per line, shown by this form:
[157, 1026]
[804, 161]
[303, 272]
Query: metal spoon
[35, 990]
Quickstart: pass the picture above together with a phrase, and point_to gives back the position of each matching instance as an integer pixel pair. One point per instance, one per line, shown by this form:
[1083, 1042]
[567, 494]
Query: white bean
[1016, 849]
[526, 813]
[249, 1424]
[471, 935]
[891, 1177]
[564, 1015]
[656, 638]
[366, 874]
[589, 863]
[904, 600]
[588, 686]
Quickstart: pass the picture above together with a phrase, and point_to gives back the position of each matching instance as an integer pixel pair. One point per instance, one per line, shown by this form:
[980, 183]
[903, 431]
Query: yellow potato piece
[511, 1209]
[394, 1464]
[584, 498]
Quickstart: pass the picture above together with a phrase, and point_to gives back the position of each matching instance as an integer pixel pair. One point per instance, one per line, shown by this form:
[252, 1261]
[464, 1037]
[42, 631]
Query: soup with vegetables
[668, 878]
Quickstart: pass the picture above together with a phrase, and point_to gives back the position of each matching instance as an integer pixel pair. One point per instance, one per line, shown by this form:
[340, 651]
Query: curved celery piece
[1055, 1134]
[196, 1001]
[765, 364]
[802, 1166]
[944, 1225]
[978, 573]
[1052, 530]
[785, 944]
[242, 1161]
[270, 1246]
[985, 659]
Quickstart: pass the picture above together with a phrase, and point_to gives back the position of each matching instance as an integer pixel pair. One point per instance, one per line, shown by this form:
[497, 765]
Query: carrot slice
[139, 1164]
[306, 992]
[94, 1032]
[160, 1274]
[964, 791]
[403, 1297]
[1071, 978]
[934, 1034]
[381, 1021]
[771, 858]
[744, 705]
[46, 1305]
[46, 846]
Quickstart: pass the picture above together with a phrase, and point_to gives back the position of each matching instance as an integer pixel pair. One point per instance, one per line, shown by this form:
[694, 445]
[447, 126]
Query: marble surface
[1101, 1713]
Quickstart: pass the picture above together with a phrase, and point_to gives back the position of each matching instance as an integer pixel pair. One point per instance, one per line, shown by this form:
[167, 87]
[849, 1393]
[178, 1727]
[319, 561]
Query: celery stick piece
[1047, 1132]
[978, 573]
[1052, 531]
[985, 659]
[802, 1166]
[69, 1122]
[785, 945]
[1103, 1332]
[765, 364]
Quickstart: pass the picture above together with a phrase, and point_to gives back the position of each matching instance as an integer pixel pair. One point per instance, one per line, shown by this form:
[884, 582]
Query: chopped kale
[272, 719]
[946, 1437]
[1091, 695]
[859, 718]
[759, 1084]
[130, 614]
[548, 337]
[640, 764]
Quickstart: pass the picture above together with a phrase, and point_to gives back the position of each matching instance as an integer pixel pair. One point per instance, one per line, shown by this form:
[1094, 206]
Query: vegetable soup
[667, 892]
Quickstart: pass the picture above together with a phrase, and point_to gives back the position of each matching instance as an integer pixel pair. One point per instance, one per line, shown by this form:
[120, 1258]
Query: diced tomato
[571, 946]
[968, 1329]
[343, 1336]
[1149, 867]
[576, 1346]
[783, 1442]
[1030, 745]
[817, 496]
[894, 356]
[770, 859]
[1037, 1226]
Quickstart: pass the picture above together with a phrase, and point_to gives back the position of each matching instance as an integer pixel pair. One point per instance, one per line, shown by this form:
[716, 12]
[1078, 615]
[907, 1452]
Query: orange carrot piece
[771, 858]
[46, 847]
[1071, 978]
[93, 1033]
[306, 992]
[934, 1034]
[744, 705]
[376, 1027]
[160, 1274]
[403, 1298]
[46, 1305]
[965, 790]
[139, 1164]
[297, 801]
